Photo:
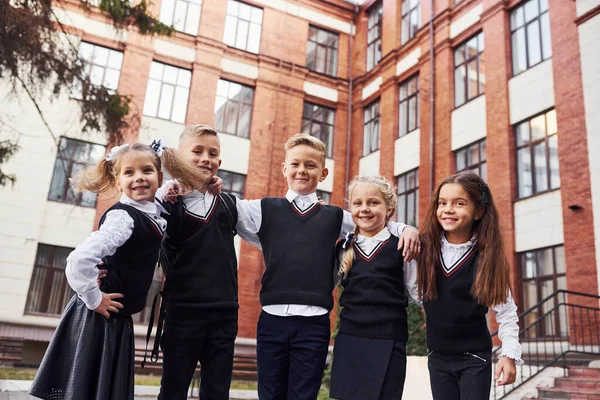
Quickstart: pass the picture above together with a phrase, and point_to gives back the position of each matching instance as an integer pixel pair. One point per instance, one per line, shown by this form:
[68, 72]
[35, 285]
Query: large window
[318, 121]
[543, 273]
[409, 106]
[472, 158]
[469, 70]
[167, 92]
[374, 36]
[410, 19]
[408, 197]
[72, 157]
[233, 183]
[233, 108]
[184, 15]
[322, 51]
[101, 64]
[530, 34]
[371, 128]
[243, 25]
[537, 154]
[49, 291]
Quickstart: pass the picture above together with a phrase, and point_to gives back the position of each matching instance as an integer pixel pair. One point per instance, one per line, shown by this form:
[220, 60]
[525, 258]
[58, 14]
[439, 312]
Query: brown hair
[197, 130]
[305, 139]
[492, 281]
[103, 176]
[388, 192]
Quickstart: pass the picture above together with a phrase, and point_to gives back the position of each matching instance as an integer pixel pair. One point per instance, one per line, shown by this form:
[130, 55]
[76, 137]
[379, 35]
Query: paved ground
[25, 396]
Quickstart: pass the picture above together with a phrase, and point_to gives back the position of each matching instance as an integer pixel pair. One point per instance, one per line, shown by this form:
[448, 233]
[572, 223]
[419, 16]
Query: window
[472, 158]
[143, 317]
[167, 92]
[321, 51]
[318, 122]
[233, 183]
[371, 128]
[530, 34]
[325, 196]
[410, 19]
[184, 15]
[409, 106]
[537, 154]
[101, 64]
[72, 157]
[233, 108]
[469, 70]
[242, 26]
[408, 197]
[543, 273]
[49, 291]
[374, 36]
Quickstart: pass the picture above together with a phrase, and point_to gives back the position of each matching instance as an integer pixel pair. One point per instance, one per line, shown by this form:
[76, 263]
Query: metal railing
[563, 329]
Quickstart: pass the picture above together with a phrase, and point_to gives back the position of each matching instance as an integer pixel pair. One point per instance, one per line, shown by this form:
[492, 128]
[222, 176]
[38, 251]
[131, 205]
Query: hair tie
[485, 194]
[158, 147]
[115, 151]
[347, 240]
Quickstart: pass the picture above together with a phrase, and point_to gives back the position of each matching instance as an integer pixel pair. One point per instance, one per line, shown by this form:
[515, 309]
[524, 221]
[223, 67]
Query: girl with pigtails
[91, 355]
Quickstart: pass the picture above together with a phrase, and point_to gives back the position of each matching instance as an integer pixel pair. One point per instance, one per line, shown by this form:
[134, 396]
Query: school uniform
[369, 356]
[458, 338]
[200, 296]
[89, 356]
[297, 236]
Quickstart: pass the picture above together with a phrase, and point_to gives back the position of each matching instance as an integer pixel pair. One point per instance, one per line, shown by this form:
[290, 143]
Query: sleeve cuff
[92, 299]
[518, 361]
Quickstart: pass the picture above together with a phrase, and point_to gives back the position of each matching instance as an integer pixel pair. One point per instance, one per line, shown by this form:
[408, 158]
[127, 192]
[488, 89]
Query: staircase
[582, 383]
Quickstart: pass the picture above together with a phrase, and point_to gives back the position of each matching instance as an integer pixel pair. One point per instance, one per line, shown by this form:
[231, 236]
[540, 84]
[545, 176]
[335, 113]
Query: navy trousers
[291, 354]
[466, 376]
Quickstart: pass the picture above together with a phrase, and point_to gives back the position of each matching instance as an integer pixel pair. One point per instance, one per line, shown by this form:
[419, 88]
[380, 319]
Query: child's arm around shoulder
[249, 220]
[508, 333]
[81, 269]
[410, 282]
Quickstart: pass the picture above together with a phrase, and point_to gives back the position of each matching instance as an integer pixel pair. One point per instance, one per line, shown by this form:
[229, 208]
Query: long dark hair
[492, 281]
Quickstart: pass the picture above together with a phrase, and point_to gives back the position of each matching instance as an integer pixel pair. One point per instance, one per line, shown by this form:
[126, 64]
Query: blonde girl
[369, 360]
[91, 355]
[463, 271]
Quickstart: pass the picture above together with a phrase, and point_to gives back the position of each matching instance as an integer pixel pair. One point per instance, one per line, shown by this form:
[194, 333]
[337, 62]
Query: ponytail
[180, 170]
[99, 178]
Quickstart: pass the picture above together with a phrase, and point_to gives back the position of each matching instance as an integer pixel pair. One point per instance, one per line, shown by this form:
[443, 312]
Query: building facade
[515, 87]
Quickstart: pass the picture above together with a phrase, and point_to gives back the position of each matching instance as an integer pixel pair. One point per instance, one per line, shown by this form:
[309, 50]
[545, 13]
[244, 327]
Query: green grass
[17, 374]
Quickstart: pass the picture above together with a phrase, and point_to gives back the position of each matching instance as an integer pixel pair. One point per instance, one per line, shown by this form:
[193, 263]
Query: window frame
[530, 145]
[330, 52]
[481, 144]
[175, 86]
[237, 26]
[199, 3]
[77, 90]
[375, 10]
[227, 188]
[405, 193]
[324, 195]
[513, 33]
[406, 83]
[374, 120]
[466, 61]
[330, 140]
[405, 18]
[237, 121]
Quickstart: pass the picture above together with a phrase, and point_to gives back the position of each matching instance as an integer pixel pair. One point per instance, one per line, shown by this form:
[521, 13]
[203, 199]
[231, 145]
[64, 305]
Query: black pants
[466, 376]
[189, 337]
[291, 354]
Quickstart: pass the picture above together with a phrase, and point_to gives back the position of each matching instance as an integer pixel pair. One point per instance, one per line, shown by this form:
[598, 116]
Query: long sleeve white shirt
[82, 270]
[506, 313]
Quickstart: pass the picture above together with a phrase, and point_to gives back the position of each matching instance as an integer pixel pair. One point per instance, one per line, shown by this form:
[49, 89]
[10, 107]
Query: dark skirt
[89, 357]
[367, 369]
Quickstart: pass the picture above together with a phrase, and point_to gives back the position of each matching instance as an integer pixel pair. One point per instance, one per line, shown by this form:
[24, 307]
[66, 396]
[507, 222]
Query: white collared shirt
[117, 228]
[506, 314]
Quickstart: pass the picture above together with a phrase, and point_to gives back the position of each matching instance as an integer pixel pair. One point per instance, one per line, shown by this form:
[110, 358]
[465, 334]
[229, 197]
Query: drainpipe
[350, 86]
[431, 98]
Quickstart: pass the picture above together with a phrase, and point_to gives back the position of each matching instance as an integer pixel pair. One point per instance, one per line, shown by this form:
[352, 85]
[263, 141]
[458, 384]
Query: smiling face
[456, 213]
[369, 209]
[202, 151]
[138, 176]
[303, 169]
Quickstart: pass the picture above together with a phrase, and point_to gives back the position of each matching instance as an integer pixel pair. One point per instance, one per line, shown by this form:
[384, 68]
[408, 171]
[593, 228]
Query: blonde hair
[197, 130]
[388, 192]
[300, 139]
[103, 176]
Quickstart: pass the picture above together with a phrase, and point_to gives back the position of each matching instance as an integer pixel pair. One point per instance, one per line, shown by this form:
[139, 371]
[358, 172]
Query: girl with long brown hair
[463, 271]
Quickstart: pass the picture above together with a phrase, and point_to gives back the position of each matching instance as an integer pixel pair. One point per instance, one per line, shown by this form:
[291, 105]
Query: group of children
[460, 273]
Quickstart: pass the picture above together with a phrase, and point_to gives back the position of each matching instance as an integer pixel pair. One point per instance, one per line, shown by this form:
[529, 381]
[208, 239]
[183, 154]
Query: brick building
[515, 88]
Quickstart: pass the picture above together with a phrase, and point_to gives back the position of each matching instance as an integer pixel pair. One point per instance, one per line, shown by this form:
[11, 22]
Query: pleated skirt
[89, 357]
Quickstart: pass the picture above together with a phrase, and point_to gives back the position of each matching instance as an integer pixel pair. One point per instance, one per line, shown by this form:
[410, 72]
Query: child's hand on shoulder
[410, 242]
[215, 186]
[172, 190]
[108, 303]
[507, 368]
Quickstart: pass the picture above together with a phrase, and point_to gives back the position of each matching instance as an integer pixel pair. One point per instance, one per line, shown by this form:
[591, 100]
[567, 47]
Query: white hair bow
[116, 150]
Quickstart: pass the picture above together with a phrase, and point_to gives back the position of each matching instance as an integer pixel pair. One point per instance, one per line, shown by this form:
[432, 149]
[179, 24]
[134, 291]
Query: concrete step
[568, 394]
[575, 382]
[593, 373]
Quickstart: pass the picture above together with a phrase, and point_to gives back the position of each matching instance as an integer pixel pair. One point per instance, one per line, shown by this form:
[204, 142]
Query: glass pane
[166, 11]
[481, 74]
[321, 58]
[547, 289]
[184, 77]
[480, 42]
[230, 28]
[111, 79]
[166, 101]
[519, 52]
[100, 55]
[543, 5]
[531, 10]
[403, 118]
[551, 127]
[244, 120]
[529, 265]
[461, 164]
[401, 184]
[233, 7]
[459, 85]
[256, 15]
[516, 18]
[412, 114]
[559, 254]
[522, 133]
[459, 55]
[152, 97]
[541, 167]
[244, 12]
[524, 170]
[192, 21]
[534, 50]
[88, 199]
[482, 155]
[180, 104]
[170, 75]
[473, 155]
[222, 88]
[483, 171]
[414, 24]
[411, 180]
[546, 39]
[246, 95]
[115, 60]
[472, 84]
[410, 209]
[220, 107]
[86, 51]
[231, 117]
[179, 17]
[242, 34]
[403, 91]
[553, 162]
[156, 70]
[538, 127]
[412, 85]
[59, 180]
[545, 262]
[97, 75]
[254, 38]
[472, 47]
